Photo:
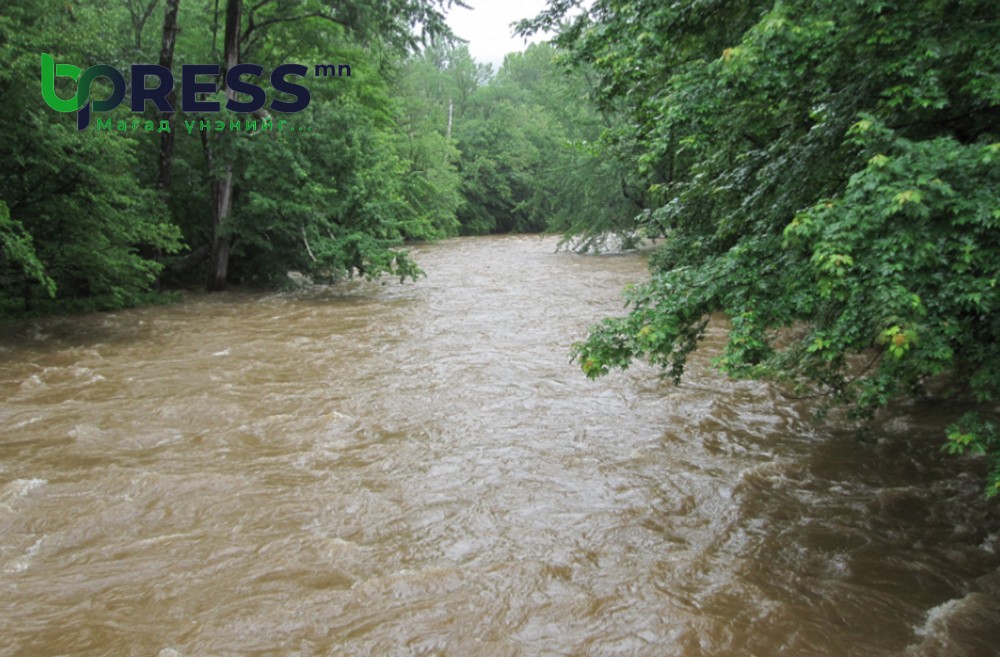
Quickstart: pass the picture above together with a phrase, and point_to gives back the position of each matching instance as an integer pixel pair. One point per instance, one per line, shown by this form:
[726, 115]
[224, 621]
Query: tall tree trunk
[223, 189]
[166, 174]
[451, 108]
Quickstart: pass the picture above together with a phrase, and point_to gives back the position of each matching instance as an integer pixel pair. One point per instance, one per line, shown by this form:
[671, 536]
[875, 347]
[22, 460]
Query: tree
[389, 21]
[95, 217]
[75, 217]
[222, 188]
[431, 90]
[168, 44]
[827, 174]
[528, 159]
[579, 191]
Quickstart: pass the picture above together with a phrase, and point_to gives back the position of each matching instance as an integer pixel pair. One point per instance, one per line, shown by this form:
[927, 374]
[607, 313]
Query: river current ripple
[418, 469]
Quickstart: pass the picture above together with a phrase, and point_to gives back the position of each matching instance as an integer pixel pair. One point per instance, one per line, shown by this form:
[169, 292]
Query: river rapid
[418, 469]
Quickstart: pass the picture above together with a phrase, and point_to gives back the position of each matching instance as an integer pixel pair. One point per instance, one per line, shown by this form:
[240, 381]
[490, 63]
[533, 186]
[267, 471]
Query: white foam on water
[21, 487]
[24, 423]
[17, 489]
[949, 629]
[21, 564]
[85, 373]
[33, 382]
[85, 432]
[936, 622]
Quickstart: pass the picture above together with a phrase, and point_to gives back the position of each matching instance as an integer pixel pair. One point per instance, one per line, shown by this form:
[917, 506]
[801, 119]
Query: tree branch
[272, 21]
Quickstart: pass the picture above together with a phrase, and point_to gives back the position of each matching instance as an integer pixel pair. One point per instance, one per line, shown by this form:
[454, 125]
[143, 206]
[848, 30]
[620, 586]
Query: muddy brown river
[418, 469]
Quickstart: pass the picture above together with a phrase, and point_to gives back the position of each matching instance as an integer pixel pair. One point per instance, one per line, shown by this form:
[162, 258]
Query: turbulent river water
[418, 469]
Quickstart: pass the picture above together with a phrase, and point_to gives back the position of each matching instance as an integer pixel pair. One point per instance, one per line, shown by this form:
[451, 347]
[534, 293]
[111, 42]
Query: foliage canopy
[828, 177]
[420, 142]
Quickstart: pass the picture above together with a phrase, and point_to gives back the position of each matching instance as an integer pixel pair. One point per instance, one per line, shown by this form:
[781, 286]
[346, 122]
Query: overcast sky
[487, 27]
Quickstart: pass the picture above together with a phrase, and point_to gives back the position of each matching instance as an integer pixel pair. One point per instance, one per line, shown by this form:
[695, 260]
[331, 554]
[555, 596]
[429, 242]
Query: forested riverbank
[405, 138]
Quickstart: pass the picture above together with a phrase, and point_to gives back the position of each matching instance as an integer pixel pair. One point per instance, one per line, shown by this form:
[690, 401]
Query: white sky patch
[487, 27]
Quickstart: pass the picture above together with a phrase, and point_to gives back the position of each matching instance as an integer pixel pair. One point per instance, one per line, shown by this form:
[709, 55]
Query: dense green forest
[414, 141]
[827, 173]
